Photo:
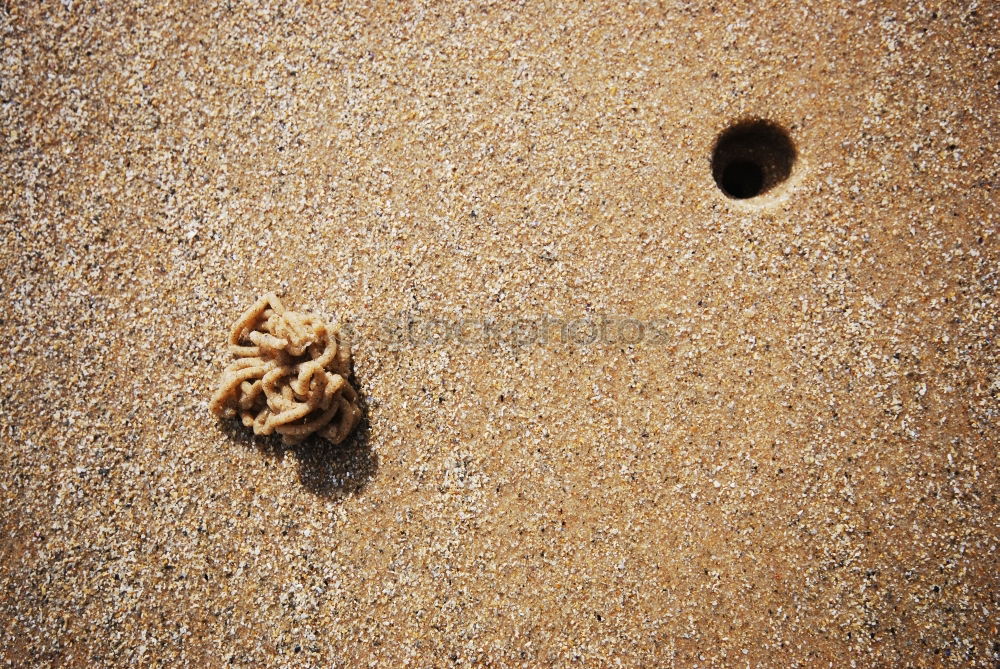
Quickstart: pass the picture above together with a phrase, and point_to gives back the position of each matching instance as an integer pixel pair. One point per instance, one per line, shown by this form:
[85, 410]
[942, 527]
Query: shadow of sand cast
[333, 472]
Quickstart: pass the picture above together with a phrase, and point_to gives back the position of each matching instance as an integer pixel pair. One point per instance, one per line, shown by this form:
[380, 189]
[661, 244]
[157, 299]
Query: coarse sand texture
[672, 325]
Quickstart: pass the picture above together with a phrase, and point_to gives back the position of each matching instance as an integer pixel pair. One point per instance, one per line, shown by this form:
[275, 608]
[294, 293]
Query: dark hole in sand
[752, 157]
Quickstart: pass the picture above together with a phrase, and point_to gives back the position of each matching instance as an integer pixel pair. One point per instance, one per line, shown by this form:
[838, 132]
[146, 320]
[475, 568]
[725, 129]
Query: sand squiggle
[290, 375]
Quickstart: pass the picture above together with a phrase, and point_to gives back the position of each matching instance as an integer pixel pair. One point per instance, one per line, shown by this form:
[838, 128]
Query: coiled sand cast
[290, 375]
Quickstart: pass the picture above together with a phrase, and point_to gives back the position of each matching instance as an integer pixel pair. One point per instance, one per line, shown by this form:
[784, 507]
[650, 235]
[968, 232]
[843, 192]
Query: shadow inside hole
[752, 157]
[330, 471]
[742, 179]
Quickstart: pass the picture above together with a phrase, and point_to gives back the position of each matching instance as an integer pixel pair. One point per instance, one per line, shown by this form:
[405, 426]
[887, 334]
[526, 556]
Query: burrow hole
[752, 157]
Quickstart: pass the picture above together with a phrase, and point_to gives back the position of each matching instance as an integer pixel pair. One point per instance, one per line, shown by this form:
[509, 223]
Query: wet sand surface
[793, 462]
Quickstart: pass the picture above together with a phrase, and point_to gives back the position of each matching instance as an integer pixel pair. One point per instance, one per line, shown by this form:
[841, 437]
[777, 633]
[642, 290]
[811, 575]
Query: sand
[795, 465]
